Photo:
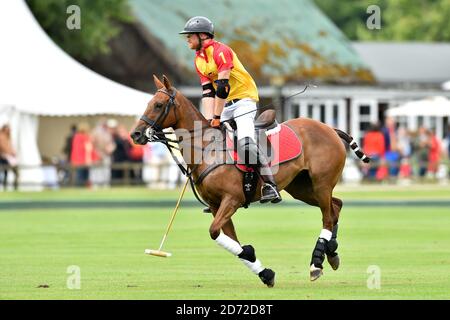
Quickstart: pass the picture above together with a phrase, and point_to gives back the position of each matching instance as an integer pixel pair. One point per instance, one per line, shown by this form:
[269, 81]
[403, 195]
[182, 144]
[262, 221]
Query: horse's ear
[158, 83]
[167, 83]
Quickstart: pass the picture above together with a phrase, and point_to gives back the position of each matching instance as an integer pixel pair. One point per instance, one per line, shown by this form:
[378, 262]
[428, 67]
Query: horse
[310, 178]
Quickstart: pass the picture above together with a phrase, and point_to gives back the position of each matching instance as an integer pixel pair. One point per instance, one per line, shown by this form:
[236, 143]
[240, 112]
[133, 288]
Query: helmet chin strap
[200, 42]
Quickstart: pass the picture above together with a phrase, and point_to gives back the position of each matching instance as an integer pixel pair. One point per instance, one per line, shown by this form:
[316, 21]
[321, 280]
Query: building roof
[406, 62]
[291, 39]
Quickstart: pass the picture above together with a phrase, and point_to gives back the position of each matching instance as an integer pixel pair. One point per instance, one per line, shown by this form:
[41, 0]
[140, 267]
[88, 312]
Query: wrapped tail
[352, 143]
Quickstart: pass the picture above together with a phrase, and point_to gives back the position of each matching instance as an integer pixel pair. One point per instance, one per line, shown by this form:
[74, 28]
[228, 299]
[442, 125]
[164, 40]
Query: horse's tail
[352, 143]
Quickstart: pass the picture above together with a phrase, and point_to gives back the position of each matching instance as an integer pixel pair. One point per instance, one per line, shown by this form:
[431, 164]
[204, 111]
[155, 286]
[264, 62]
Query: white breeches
[243, 112]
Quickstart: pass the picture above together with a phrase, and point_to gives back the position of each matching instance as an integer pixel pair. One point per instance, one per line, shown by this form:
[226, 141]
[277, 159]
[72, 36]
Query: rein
[160, 136]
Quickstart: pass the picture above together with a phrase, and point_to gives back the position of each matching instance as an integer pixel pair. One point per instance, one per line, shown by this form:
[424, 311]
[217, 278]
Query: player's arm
[223, 57]
[223, 89]
[208, 94]
[208, 97]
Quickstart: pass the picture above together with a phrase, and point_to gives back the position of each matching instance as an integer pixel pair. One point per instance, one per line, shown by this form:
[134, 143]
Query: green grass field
[411, 246]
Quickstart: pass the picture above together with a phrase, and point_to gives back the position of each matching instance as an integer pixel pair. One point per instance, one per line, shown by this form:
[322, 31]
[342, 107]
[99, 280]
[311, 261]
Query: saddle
[278, 141]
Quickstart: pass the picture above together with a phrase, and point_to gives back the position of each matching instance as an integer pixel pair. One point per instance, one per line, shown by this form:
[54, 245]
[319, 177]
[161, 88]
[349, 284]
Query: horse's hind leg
[324, 242]
[302, 188]
[228, 240]
[332, 255]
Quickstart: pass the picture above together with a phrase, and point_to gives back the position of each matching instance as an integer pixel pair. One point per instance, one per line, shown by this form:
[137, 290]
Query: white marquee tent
[432, 110]
[430, 107]
[38, 78]
[446, 85]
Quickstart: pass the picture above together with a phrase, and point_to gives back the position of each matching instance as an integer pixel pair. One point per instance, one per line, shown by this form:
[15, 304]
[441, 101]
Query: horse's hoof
[267, 276]
[334, 261]
[314, 272]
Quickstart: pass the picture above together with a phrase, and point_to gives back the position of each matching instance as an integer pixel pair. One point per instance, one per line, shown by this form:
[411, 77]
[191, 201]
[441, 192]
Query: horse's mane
[192, 106]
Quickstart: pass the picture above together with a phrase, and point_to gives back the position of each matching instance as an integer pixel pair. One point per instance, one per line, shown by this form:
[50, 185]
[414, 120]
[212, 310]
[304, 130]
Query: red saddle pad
[286, 146]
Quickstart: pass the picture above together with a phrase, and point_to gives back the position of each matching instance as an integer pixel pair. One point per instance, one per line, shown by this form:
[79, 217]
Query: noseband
[155, 124]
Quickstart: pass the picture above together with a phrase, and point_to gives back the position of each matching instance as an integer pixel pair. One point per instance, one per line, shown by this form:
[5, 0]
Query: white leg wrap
[228, 244]
[325, 234]
[256, 267]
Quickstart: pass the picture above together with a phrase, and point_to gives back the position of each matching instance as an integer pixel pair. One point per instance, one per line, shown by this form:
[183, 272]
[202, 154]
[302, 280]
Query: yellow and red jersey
[216, 57]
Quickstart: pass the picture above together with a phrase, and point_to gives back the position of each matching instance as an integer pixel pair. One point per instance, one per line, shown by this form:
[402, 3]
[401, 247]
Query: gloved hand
[215, 122]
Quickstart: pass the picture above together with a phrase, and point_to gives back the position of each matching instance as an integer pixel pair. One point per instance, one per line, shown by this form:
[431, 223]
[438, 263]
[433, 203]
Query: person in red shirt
[374, 147]
[229, 93]
[83, 154]
[435, 152]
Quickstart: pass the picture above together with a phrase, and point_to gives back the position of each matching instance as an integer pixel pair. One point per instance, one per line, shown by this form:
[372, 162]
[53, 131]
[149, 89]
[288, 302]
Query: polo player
[229, 93]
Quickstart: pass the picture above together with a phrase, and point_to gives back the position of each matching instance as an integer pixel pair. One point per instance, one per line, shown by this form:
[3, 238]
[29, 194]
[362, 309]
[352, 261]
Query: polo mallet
[158, 252]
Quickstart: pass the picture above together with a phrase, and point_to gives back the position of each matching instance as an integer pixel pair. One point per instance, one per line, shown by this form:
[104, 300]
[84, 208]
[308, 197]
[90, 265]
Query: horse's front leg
[228, 240]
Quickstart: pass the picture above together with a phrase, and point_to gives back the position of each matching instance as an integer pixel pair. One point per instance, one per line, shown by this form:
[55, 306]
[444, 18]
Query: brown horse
[310, 177]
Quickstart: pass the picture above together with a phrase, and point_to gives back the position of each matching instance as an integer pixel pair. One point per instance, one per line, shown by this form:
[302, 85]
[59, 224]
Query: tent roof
[37, 77]
[433, 106]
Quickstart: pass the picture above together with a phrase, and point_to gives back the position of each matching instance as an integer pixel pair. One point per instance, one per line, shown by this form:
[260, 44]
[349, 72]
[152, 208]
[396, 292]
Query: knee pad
[223, 88]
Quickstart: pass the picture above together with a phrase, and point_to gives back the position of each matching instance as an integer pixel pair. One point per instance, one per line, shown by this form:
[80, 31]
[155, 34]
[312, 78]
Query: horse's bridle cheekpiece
[155, 124]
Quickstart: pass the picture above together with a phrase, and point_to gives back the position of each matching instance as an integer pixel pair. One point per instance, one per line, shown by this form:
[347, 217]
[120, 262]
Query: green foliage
[401, 20]
[99, 24]
[346, 14]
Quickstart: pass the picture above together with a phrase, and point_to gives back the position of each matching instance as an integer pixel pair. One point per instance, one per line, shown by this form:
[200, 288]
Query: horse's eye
[158, 106]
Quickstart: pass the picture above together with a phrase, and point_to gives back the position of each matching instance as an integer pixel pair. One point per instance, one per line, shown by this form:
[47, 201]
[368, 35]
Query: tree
[99, 24]
[401, 20]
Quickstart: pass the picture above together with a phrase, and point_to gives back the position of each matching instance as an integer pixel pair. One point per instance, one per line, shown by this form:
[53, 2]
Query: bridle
[157, 134]
[155, 125]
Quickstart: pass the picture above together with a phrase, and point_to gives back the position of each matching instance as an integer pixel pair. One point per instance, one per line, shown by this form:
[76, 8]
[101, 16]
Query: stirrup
[272, 194]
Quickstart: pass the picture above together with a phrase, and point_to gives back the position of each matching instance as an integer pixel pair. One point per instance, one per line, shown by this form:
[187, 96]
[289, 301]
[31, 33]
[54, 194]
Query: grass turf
[411, 246]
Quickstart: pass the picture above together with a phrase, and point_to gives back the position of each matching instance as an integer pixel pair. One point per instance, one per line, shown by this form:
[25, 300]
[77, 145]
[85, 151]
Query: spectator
[120, 154]
[83, 154]
[422, 146]
[160, 169]
[389, 134]
[404, 143]
[392, 154]
[374, 147]
[67, 150]
[448, 146]
[135, 155]
[103, 143]
[448, 142]
[8, 159]
[405, 149]
[434, 154]
[69, 140]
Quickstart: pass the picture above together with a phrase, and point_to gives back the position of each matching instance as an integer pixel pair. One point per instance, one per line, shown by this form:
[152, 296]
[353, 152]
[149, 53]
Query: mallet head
[158, 253]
